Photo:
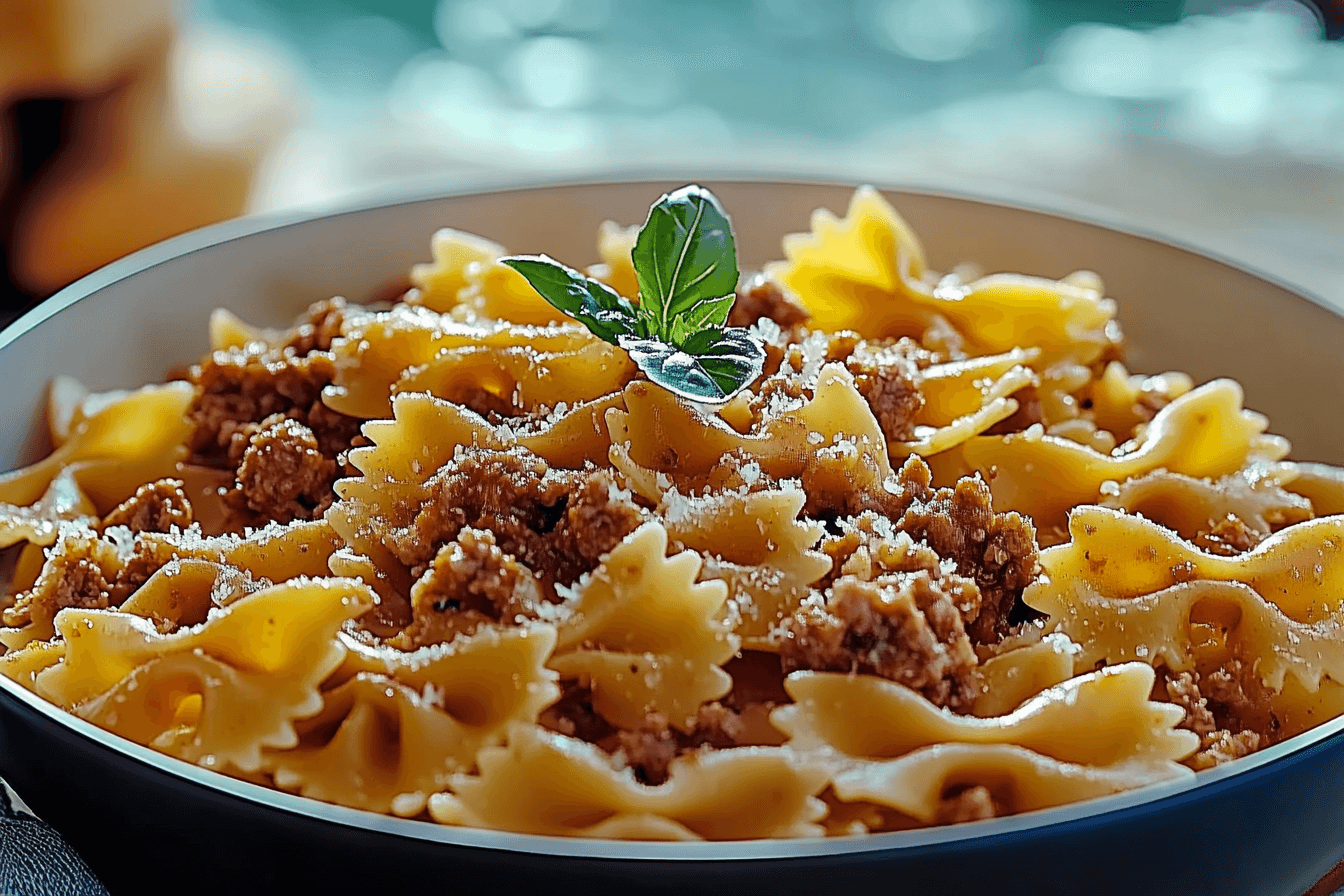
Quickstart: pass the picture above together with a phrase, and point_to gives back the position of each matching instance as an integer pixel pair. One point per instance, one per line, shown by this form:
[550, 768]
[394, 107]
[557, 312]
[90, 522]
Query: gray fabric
[34, 860]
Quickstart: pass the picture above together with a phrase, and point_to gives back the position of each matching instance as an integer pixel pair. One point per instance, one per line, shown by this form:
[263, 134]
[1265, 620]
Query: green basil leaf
[683, 254]
[704, 314]
[725, 362]
[594, 304]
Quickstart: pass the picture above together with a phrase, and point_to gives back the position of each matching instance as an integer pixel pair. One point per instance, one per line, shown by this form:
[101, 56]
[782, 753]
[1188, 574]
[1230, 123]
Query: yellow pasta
[253, 667]
[644, 636]
[756, 544]
[1205, 433]
[453, 557]
[1096, 719]
[545, 783]
[1021, 779]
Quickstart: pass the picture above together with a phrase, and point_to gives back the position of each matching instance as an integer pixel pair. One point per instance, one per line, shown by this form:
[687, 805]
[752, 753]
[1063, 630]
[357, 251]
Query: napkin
[34, 860]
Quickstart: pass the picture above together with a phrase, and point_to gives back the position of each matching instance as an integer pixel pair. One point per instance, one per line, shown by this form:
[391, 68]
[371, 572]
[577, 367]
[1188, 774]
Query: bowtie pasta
[451, 557]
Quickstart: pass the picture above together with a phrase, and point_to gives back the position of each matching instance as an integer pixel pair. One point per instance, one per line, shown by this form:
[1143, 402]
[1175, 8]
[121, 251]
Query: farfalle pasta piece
[483, 681]
[1204, 433]
[1190, 507]
[25, 664]
[617, 268]
[109, 454]
[422, 438]
[755, 543]
[1200, 622]
[831, 441]
[375, 744]
[863, 273]
[644, 636]
[1322, 485]
[1118, 604]
[521, 368]
[62, 504]
[1100, 718]
[466, 279]
[962, 399]
[1297, 569]
[235, 683]
[1121, 402]
[437, 284]
[1007, 679]
[521, 379]
[547, 783]
[1019, 779]
[275, 552]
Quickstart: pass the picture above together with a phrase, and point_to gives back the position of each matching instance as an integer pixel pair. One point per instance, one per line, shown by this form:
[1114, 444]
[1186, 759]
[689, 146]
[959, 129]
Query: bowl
[1271, 824]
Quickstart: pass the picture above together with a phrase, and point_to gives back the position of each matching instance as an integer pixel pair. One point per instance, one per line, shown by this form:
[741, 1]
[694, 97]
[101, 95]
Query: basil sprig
[686, 264]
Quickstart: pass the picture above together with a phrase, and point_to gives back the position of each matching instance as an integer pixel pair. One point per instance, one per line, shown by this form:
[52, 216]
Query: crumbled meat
[1228, 536]
[1028, 413]
[996, 550]
[283, 474]
[597, 516]
[1213, 716]
[155, 507]
[484, 402]
[912, 483]
[320, 326]
[773, 393]
[558, 523]
[470, 582]
[237, 390]
[762, 297]
[573, 715]
[903, 627]
[886, 380]
[80, 571]
[650, 749]
[967, 804]
[869, 546]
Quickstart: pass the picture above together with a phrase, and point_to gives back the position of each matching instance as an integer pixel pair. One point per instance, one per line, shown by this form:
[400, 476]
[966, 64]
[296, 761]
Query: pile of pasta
[450, 557]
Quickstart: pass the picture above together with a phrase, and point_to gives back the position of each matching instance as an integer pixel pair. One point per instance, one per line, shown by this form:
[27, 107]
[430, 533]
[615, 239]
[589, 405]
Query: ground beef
[1214, 717]
[887, 381]
[470, 582]
[318, 328]
[237, 390]
[774, 394]
[283, 474]
[573, 715]
[995, 550]
[558, 523]
[81, 571]
[484, 402]
[1228, 536]
[155, 507]
[762, 297]
[650, 749]
[1028, 413]
[974, 803]
[598, 514]
[904, 627]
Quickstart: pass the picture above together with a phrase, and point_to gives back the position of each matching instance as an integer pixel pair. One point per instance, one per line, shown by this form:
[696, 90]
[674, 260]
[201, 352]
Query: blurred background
[122, 122]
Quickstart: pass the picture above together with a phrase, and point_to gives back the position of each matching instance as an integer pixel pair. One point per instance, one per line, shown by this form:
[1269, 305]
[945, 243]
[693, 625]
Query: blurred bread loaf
[162, 131]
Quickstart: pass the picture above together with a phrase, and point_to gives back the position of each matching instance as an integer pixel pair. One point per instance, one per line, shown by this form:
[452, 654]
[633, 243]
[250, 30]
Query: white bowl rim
[1024, 824]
